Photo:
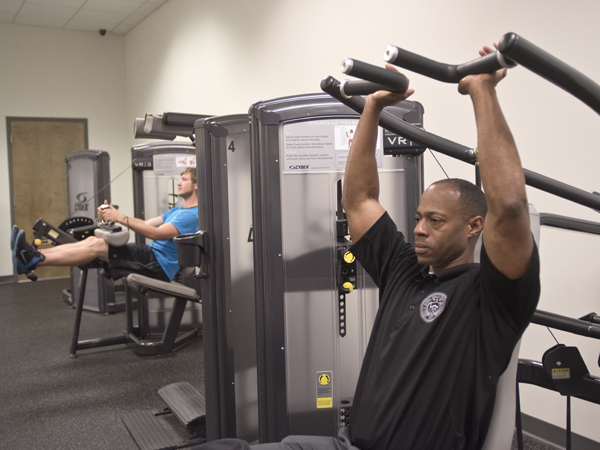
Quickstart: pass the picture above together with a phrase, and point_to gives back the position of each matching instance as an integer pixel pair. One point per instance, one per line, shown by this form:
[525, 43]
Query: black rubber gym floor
[50, 401]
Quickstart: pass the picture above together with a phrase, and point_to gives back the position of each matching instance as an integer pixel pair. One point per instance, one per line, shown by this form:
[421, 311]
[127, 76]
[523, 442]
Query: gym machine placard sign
[172, 164]
[321, 145]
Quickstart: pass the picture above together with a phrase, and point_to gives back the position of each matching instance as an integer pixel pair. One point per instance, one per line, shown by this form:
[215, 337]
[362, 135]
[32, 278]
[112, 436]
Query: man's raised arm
[360, 197]
[507, 234]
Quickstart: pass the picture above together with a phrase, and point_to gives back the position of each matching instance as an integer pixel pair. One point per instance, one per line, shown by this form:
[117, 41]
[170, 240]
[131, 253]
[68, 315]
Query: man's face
[185, 187]
[441, 231]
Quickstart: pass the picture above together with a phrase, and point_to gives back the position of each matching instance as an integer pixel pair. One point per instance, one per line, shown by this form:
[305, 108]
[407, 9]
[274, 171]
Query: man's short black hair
[471, 199]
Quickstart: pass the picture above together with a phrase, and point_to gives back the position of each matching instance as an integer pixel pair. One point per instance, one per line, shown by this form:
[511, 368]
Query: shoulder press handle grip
[379, 78]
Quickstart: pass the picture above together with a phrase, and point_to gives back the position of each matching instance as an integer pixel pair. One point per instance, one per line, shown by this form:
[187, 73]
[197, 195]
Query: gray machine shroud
[88, 185]
[227, 290]
[307, 371]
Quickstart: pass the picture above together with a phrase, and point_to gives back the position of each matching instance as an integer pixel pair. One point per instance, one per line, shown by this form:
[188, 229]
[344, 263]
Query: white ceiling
[114, 16]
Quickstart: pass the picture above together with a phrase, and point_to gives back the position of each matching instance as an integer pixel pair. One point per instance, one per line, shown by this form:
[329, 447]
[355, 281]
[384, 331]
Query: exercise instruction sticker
[321, 145]
[324, 390]
[172, 164]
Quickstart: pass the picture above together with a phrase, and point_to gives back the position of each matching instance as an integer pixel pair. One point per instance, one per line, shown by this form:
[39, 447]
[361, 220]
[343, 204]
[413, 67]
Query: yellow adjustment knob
[348, 285]
[349, 257]
[37, 242]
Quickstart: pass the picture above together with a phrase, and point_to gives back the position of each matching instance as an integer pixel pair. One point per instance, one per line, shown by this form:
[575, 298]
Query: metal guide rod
[388, 121]
[570, 223]
[575, 326]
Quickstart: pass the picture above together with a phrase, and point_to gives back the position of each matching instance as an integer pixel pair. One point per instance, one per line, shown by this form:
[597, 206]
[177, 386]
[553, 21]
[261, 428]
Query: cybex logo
[299, 167]
[81, 204]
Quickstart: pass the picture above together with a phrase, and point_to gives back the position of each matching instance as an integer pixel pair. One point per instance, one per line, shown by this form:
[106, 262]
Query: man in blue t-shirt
[157, 260]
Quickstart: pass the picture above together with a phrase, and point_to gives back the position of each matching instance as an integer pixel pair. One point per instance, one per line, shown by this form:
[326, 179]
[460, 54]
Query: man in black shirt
[446, 327]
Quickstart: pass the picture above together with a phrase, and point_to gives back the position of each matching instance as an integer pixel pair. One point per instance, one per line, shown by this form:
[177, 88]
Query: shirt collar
[450, 273]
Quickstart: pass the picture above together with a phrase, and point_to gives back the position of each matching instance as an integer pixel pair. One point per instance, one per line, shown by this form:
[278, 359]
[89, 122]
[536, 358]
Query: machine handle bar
[429, 140]
[512, 50]
[551, 68]
[445, 72]
[348, 88]
[388, 79]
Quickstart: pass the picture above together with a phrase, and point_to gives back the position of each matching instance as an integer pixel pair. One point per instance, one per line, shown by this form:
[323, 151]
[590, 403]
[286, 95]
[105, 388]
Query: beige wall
[218, 57]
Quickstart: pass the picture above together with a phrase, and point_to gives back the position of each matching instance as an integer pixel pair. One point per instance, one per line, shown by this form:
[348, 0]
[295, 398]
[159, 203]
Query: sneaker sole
[13, 237]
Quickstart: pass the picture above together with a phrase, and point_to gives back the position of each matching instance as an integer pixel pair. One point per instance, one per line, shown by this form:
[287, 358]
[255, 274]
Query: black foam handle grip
[393, 81]
[447, 73]
[551, 68]
[348, 88]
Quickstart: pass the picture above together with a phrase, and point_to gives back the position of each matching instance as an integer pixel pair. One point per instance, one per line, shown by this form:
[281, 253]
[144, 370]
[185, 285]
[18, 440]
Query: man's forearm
[361, 180]
[138, 226]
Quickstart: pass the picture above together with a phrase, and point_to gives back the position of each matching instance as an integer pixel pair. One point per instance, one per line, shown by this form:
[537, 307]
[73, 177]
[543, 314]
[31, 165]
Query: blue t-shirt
[186, 221]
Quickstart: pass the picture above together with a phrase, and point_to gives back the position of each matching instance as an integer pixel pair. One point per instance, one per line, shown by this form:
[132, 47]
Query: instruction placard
[172, 164]
[321, 145]
[324, 390]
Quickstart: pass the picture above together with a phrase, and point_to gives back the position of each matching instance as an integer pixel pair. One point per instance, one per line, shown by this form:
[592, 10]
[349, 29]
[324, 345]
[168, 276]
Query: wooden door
[37, 150]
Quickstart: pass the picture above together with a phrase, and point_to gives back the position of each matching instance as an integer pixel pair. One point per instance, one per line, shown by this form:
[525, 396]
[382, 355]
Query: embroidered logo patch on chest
[432, 306]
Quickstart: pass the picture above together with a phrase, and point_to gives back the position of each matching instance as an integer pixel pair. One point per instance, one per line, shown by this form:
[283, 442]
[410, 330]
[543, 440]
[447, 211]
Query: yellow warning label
[325, 402]
[561, 374]
[324, 379]
[349, 257]
[325, 389]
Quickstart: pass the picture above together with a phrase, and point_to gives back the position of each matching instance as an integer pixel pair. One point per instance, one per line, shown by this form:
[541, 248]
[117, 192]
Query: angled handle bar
[551, 68]
[390, 122]
[378, 76]
[513, 49]
[445, 72]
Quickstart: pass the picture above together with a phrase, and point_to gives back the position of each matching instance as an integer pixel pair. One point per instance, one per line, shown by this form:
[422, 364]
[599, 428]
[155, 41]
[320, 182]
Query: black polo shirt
[438, 346]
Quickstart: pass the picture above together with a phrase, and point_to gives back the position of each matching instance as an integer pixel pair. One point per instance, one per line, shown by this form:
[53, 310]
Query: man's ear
[475, 225]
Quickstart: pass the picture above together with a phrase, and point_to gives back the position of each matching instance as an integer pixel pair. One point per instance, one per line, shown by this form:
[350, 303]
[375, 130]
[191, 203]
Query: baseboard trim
[15, 280]
[7, 279]
[555, 435]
